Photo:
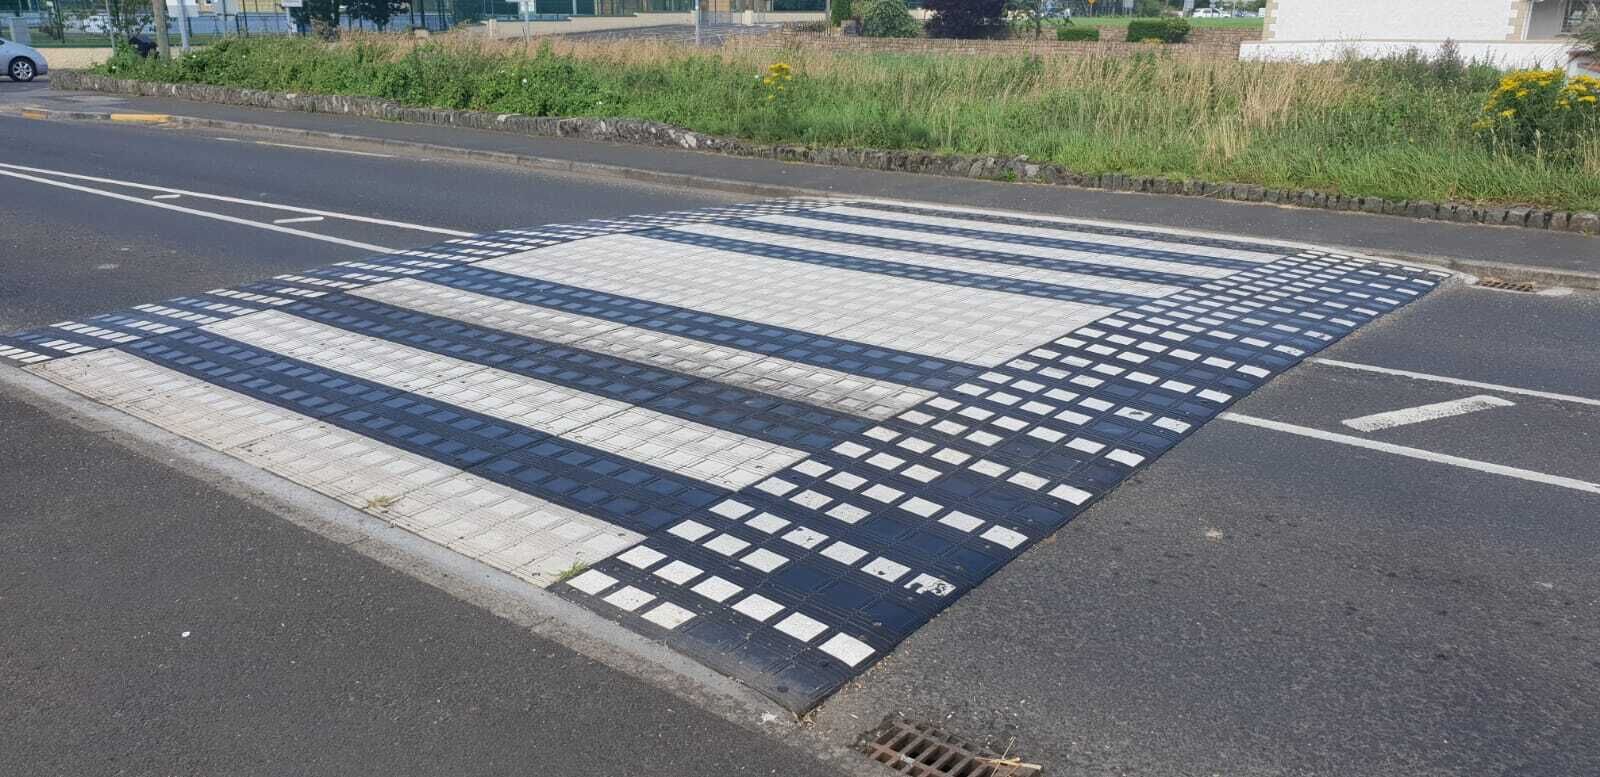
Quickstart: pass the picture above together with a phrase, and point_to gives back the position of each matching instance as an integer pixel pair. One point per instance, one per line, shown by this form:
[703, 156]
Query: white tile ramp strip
[703, 452]
[973, 266]
[971, 325]
[980, 244]
[867, 397]
[1179, 244]
[500, 526]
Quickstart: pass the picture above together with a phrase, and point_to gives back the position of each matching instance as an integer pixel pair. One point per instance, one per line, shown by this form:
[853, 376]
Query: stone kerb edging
[650, 133]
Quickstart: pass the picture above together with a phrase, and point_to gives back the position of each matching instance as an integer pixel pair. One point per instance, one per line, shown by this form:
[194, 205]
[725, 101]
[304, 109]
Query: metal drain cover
[924, 750]
[1503, 285]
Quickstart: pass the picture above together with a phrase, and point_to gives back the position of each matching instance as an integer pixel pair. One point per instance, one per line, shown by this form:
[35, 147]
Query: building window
[1577, 13]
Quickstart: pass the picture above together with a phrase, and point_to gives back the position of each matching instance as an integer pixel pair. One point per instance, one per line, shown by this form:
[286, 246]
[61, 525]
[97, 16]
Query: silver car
[21, 62]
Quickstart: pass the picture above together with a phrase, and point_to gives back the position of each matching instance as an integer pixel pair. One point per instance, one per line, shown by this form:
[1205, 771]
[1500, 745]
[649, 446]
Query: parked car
[1210, 13]
[95, 24]
[22, 63]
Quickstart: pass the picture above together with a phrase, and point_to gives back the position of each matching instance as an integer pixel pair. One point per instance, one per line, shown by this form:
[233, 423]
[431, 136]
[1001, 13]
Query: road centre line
[1415, 453]
[242, 201]
[1429, 412]
[377, 249]
[166, 197]
[1456, 381]
[297, 220]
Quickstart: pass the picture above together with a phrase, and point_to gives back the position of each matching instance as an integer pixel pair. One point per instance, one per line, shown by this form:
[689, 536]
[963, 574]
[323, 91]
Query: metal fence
[94, 23]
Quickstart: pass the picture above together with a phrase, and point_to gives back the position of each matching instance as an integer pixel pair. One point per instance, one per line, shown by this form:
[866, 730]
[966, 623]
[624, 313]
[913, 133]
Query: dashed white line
[235, 200]
[297, 220]
[166, 197]
[1416, 453]
[1428, 412]
[1456, 381]
[201, 213]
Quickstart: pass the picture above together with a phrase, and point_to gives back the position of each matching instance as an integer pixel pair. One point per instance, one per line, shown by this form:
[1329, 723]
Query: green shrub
[888, 19]
[1065, 32]
[1167, 30]
[840, 12]
[1543, 111]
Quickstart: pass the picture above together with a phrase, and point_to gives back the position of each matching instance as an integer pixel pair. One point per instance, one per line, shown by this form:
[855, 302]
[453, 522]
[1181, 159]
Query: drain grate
[1503, 285]
[924, 750]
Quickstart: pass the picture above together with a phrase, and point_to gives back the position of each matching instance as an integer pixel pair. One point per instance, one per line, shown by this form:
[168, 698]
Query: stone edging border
[649, 133]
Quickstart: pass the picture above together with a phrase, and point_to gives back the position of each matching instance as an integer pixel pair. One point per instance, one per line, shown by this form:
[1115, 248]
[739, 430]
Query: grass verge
[1398, 129]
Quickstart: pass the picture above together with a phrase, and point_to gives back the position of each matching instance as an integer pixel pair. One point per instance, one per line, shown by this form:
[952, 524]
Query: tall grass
[1398, 129]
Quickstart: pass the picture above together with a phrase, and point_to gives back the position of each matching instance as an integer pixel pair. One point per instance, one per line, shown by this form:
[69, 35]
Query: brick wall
[1222, 43]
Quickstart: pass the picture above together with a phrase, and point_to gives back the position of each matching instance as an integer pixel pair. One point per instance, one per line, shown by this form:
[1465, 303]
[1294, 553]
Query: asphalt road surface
[1282, 594]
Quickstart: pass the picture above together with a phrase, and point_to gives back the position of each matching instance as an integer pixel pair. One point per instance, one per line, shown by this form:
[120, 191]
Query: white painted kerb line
[1429, 412]
[1416, 453]
[1457, 381]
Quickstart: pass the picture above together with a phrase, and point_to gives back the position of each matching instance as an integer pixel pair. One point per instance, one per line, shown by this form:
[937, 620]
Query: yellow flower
[1508, 113]
[1522, 93]
[1588, 99]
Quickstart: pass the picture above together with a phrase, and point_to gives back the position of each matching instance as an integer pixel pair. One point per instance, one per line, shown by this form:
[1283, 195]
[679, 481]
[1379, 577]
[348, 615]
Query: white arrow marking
[1420, 413]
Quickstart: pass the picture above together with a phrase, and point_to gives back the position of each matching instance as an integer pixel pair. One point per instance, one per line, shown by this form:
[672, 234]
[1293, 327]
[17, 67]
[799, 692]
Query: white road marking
[297, 220]
[1416, 453]
[328, 150]
[1457, 381]
[166, 197]
[242, 201]
[1428, 412]
[202, 213]
[306, 148]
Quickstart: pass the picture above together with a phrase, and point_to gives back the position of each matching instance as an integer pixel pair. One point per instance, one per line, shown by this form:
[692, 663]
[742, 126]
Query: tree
[1588, 37]
[839, 11]
[127, 17]
[1031, 12]
[321, 15]
[379, 12]
[966, 18]
[888, 19]
[54, 20]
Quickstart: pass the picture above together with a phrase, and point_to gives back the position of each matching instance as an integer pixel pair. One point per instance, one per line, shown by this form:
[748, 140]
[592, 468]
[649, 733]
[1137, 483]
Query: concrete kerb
[1541, 275]
[1018, 169]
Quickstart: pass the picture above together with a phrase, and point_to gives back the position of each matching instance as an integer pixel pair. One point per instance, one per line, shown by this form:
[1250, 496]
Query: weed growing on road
[1401, 128]
[577, 568]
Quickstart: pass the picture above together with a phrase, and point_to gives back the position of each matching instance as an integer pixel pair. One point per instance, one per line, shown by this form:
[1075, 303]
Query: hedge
[1167, 30]
[1077, 33]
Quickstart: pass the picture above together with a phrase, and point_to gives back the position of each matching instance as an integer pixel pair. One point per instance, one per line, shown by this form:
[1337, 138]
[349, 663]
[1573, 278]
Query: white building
[1509, 33]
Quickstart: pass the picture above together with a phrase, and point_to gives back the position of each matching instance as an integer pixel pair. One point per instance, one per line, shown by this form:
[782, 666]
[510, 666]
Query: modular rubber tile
[778, 436]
